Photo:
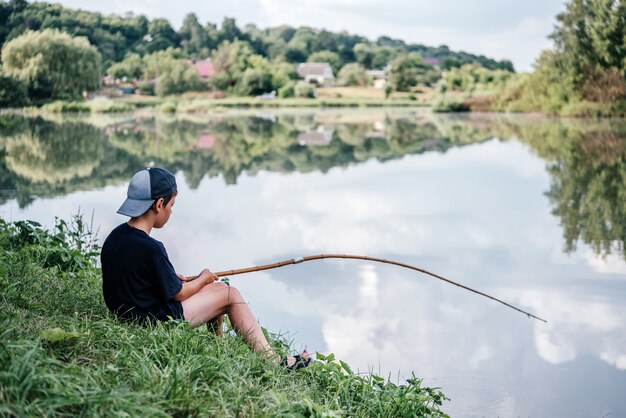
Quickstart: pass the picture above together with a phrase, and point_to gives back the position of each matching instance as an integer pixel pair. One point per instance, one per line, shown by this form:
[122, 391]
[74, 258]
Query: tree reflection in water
[586, 160]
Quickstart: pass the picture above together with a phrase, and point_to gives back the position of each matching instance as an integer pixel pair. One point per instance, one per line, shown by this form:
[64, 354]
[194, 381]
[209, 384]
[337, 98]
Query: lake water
[528, 209]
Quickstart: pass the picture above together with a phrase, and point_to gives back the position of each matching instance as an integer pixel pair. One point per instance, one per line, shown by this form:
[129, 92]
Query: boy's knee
[234, 295]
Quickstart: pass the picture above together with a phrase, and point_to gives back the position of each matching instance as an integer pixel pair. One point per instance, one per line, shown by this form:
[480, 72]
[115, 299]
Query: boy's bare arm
[192, 287]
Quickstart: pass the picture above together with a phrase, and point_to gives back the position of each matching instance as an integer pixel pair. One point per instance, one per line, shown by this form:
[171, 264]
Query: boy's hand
[209, 275]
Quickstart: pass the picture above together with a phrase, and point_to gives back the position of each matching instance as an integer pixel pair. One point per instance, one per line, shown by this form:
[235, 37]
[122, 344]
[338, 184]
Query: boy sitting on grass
[139, 282]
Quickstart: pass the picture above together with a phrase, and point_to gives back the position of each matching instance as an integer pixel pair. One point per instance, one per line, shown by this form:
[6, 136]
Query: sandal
[300, 363]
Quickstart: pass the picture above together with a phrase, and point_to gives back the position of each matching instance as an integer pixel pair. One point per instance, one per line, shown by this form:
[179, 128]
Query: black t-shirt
[138, 280]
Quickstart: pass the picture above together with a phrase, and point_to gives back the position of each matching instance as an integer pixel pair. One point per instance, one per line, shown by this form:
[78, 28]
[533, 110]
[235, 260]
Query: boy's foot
[297, 362]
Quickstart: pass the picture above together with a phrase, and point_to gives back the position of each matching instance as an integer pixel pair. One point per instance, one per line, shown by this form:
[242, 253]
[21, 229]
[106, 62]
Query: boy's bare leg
[217, 299]
[216, 325]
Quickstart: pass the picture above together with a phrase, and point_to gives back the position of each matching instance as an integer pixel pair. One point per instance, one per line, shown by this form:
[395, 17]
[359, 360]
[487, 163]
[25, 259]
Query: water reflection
[53, 155]
[459, 195]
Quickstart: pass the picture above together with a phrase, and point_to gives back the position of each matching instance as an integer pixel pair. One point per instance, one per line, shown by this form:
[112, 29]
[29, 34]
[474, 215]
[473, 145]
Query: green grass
[63, 354]
[186, 105]
[97, 105]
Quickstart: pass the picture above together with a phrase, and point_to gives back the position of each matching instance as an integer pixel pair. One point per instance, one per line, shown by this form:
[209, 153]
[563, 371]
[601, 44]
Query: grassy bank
[61, 353]
[202, 104]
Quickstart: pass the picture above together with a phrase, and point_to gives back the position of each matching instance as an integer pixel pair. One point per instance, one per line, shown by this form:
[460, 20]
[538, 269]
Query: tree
[52, 64]
[353, 75]
[382, 56]
[364, 54]
[194, 39]
[160, 62]
[590, 34]
[161, 36]
[179, 78]
[257, 77]
[229, 31]
[332, 58]
[255, 81]
[282, 74]
[131, 68]
[12, 92]
[230, 61]
[295, 54]
[405, 70]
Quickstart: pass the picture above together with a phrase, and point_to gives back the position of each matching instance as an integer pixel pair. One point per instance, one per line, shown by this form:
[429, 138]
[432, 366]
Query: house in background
[431, 61]
[315, 72]
[203, 67]
[379, 77]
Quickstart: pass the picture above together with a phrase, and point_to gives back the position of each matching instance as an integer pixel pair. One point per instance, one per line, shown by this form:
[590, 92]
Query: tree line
[124, 44]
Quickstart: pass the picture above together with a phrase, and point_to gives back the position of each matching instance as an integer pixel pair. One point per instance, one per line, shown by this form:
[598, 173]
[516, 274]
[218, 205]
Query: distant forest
[117, 36]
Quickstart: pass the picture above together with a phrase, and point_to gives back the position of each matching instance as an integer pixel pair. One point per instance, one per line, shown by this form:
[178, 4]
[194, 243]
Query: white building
[315, 72]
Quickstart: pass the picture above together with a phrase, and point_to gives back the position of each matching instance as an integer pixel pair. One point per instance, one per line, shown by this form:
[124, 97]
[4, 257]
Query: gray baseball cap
[145, 187]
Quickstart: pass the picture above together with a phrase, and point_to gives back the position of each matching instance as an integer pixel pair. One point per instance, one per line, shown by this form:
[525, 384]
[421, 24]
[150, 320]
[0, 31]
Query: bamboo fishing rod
[299, 260]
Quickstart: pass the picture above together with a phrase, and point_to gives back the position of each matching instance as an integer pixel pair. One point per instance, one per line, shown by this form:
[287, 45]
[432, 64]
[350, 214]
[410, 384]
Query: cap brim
[134, 207]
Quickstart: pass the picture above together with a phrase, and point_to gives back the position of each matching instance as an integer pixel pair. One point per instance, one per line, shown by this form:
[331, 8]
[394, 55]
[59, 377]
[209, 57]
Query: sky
[515, 30]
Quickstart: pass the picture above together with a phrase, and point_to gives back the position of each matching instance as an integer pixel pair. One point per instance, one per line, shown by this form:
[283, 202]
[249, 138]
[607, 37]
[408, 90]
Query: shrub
[594, 109]
[255, 82]
[288, 90]
[446, 104]
[304, 90]
[97, 105]
[12, 92]
[147, 88]
[179, 79]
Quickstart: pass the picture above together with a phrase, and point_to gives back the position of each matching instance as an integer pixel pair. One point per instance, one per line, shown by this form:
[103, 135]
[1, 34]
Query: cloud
[579, 323]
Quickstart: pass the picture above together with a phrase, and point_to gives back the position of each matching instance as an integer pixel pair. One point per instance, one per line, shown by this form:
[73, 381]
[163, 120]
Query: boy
[139, 282]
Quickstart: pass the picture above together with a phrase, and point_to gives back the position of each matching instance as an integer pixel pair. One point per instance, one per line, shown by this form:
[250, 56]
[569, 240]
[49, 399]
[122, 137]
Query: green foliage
[180, 77]
[282, 74]
[374, 56]
[255, 82]
[405, 70]
[160, 36]
[194, 40]
[13, 92]
[445, 104]
[329, 57]
[288, 90]
[147, 88]
[97, 105]
[353, 75]
[52, 64]
[230, 61]
[303, 89]
[586, 65]
[130, 68]
[546, 90]
[472, 77]
[161, 62]
[363, 391]
[591, 33]
[62, 353]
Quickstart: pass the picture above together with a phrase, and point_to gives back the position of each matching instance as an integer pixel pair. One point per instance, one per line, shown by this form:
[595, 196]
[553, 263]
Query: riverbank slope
[61, 353]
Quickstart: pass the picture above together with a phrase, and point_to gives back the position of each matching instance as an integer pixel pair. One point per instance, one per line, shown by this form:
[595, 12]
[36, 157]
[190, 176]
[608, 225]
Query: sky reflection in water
[477, 214]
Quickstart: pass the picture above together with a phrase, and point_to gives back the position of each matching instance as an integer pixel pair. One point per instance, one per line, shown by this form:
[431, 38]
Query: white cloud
[610, 264]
